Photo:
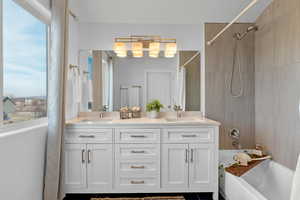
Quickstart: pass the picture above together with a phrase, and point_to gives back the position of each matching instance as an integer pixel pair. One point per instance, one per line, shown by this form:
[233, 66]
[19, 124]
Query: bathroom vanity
[141, 156]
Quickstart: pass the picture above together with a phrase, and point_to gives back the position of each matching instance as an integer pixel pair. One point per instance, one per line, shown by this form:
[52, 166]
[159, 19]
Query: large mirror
[110, 82]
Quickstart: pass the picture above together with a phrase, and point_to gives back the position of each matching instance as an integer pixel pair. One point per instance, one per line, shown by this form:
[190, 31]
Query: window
[24, 64]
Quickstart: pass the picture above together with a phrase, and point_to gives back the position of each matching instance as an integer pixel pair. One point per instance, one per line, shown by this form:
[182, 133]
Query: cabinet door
[99, 167]
[175, 166]
[75, 166]
[200, 168]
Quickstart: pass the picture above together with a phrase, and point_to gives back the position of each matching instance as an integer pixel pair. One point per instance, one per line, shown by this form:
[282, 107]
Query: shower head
[240, 36]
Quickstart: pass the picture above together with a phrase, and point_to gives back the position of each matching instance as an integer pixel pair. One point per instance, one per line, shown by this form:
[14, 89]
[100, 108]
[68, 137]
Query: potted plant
[153, 108]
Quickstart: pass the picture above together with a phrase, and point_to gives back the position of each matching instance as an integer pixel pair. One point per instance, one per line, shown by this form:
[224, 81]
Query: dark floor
[193, 196]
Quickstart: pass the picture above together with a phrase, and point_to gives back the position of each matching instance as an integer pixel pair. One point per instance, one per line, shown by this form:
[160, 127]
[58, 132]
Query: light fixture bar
[137, 44]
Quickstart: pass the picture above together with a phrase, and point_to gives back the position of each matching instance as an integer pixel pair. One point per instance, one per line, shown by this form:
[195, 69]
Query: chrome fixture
[101, 115]
[104, 109]
[234, 134]
[210, 42]
[237, 61]
[240, 36]
[178, 110]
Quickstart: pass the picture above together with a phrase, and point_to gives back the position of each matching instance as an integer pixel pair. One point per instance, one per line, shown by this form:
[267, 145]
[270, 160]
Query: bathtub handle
[192, 155]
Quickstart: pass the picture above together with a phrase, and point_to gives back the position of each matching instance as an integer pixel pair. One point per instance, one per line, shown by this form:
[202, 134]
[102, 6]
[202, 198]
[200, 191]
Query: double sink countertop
[165, 120]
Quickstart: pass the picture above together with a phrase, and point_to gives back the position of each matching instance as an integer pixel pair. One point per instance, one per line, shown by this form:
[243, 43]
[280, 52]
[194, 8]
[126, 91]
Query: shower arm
[210, 42]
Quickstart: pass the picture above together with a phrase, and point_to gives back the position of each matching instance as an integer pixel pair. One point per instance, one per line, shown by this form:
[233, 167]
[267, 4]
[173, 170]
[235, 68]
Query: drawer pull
[138, 136]
[189, 136]
[134, 151]
[137, 182]
[87, 136]
[137, 167]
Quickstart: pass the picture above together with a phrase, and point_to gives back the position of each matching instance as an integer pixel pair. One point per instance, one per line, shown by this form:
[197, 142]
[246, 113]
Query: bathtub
[267, 181]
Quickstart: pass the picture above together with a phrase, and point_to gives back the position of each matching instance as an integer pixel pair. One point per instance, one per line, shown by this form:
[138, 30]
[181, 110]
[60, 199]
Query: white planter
[152, 114]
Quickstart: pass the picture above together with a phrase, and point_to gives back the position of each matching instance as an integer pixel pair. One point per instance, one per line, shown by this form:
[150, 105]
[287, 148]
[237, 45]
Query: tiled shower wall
[220, 105]
[277, 81]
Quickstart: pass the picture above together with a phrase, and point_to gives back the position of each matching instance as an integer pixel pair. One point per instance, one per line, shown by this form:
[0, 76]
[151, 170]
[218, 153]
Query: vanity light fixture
[154, 49]
[171, 49]
[120, 49]
[122, 54]
[137, 54]
[153, 54]
[137, 49]
[138, 44]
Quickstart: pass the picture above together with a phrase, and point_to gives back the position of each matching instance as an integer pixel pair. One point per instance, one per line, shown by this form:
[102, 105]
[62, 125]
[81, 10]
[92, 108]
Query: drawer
[188, 135]
[89, 136]
[137, 183]
[137, 135]
[137, 152]
[129, 168]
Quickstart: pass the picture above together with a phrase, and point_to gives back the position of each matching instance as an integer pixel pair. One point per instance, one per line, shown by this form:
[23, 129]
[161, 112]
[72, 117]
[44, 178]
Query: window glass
[25, 65]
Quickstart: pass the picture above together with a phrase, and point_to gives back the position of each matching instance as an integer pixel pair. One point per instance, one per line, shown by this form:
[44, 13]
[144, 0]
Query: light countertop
[109, 122]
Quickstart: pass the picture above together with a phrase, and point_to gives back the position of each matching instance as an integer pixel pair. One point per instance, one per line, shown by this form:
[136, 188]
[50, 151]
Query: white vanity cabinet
[175, 166]
[137, 159]
[88, 160]
[141, 159]
[188, 159]
[75, 166]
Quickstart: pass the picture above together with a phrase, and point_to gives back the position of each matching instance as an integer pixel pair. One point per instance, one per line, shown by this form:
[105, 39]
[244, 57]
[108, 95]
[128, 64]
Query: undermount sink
[95, 121]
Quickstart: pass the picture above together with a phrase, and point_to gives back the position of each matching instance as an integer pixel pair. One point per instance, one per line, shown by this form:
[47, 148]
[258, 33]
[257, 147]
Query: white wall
[131, 71]
[99, 36]
[22, 156]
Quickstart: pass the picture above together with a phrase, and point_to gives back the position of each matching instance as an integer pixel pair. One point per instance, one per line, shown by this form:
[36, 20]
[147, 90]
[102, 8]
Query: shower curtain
[56, 100]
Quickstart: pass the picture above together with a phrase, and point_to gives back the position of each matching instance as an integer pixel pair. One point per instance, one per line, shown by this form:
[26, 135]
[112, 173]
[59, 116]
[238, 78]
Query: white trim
[202, 79]
[172, 87]
[36, 9]
[1, 62]
[15, 127]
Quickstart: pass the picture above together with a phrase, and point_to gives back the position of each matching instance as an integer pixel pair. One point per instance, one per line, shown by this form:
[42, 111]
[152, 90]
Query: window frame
[44, 15]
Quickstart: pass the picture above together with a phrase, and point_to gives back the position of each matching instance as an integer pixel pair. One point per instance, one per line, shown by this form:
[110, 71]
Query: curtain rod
[210, 42]
[191, 59]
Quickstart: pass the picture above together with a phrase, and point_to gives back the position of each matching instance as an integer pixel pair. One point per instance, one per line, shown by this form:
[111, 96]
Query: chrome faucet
[104, 109]
[101, 115]
[178, 109]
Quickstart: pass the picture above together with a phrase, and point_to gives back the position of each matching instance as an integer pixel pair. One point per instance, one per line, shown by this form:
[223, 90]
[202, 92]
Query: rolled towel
[295, 195]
